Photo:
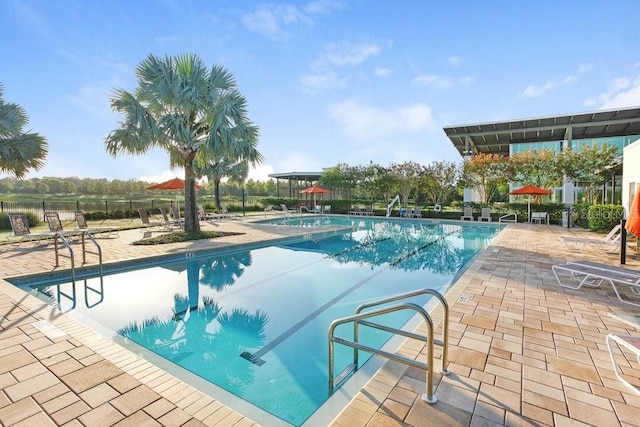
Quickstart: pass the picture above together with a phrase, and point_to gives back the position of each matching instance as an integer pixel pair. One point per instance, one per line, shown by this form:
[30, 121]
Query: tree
[405, 178]
[187, 110]
[223, 168]
[587, 166]
[486, 173]
[19, 150]
[441, 180]
[539, 168]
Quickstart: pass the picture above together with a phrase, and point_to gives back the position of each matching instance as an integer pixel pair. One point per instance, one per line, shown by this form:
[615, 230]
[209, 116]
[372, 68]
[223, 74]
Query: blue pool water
[254, 321]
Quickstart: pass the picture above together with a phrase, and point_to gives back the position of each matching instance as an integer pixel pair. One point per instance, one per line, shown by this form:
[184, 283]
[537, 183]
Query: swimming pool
[254, 321]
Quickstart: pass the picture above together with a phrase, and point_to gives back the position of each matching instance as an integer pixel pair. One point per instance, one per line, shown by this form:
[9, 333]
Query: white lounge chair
[227, 214]
[485, 215]
[286, 210]
[575, 274]
[624, 342]
[609, 243]
[468, 214]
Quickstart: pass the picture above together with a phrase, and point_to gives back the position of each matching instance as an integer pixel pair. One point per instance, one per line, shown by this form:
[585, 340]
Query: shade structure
[172, 184]
[633, 219]
[315, 190]
[530, 190]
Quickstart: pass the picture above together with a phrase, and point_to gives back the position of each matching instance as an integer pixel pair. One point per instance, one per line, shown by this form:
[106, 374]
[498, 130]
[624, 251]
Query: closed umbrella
[530, 190]
[633, 219]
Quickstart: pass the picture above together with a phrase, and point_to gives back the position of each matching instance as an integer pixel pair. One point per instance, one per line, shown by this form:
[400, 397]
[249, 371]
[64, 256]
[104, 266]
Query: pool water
[254, 322]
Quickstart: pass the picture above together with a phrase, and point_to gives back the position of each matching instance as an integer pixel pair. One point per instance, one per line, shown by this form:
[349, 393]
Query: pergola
[296, 181]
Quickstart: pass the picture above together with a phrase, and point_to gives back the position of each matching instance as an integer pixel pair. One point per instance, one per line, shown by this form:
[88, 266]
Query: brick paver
[523, 350]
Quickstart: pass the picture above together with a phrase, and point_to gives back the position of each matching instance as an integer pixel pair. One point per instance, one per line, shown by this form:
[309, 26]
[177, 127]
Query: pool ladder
[361, 318]
[60, 237]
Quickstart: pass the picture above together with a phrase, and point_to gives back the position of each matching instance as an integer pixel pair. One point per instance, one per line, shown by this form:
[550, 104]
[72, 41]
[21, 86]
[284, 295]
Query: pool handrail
[503, 218]
[444, 343]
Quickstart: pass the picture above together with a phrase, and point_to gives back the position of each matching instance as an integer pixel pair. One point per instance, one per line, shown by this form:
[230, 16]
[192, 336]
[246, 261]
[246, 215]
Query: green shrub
[603, 218]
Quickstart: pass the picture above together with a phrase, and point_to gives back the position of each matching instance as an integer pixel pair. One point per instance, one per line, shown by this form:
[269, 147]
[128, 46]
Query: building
[619, 127]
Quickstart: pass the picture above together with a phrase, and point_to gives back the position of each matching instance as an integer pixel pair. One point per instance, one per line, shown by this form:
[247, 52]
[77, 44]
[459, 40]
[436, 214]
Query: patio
[524, 351]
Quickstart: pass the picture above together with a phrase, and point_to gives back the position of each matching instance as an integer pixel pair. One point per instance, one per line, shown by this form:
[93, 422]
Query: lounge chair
[368, 211]
[146, 223]
[355, 210]
[609, 243]
[286, 210]
[269, 210]
[326, 209]
[22, 233]
[55, 225]
[172, 222]
[468, 214]
[227, 214]
[175, 216]
[624, 342]
[416, 212]
[81, 221]
[485, 215]
[204, 216]
[575, 274]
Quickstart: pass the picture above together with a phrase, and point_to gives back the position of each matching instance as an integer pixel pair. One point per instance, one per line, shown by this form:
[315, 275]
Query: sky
[327, 81]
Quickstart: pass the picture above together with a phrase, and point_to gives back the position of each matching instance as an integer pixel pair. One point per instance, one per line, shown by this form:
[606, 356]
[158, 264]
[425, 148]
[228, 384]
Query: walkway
[523, 350]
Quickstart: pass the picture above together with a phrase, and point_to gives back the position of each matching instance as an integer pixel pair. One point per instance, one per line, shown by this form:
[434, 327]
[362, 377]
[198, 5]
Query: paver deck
[523, 350]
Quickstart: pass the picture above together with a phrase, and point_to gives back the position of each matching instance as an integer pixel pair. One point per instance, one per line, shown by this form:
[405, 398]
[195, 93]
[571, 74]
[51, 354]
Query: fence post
[106, 207]
[44, 209]
[77, 205]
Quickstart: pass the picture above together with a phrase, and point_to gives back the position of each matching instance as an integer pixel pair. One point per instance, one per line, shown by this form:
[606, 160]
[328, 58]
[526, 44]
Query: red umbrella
[633, 219]
[315, 190]
[530, 190]
[172, 184]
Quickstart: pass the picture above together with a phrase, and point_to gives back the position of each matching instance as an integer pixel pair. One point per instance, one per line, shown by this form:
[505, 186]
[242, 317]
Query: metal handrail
[59, 235]
[503, 218]
[359, 318]
[445, 322]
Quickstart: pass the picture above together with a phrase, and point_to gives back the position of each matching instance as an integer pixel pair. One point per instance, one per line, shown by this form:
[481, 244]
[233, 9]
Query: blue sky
[327, 82]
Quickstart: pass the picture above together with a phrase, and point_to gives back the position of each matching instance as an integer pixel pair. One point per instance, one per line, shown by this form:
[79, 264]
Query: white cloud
[622, 92]
[164, 176]
[433, 80]
[260, 172]
[364, 123]
[276, 21]
[351, 53]
[382, 72]
[538, 90]
[93, 99]
[456, 61]
[320, 80]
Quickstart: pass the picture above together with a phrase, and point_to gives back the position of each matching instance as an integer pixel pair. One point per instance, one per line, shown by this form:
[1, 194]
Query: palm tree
[19, 150]
[221, 168]
[191, 112]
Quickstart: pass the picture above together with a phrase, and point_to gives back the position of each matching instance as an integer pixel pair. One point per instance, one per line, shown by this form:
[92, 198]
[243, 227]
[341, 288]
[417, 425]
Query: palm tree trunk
[191, 222]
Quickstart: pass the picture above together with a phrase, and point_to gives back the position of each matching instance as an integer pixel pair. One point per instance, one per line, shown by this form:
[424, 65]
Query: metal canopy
[495, 137]
[301, 176]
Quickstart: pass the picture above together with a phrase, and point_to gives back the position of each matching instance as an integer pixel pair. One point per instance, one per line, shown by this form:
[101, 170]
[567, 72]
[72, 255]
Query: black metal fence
[66, 209]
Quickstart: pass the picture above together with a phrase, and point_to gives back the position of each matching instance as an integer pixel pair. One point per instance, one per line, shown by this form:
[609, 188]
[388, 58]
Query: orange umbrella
[172, 184]
[530, 190]
[315, 190]
[633, 219]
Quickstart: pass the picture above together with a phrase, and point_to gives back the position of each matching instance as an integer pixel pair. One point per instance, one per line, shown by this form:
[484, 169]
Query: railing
[359, 318]
[60, 237]
[390, 205]
[503, 218]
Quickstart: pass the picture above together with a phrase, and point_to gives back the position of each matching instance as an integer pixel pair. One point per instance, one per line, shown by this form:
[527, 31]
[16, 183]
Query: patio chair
[355, 210]
[468, 214]
[55, 225]
[629, 343]
[269, 210]
[108, 232]
[575, 274]
[170, 223]
[485, 215]
[368, 211]
[204, 216]
[539, 217]
[609, 243]
[147, 224]
[227, 214]
[286, 210]
[416, 212]
[21, 232]
[326, 209]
